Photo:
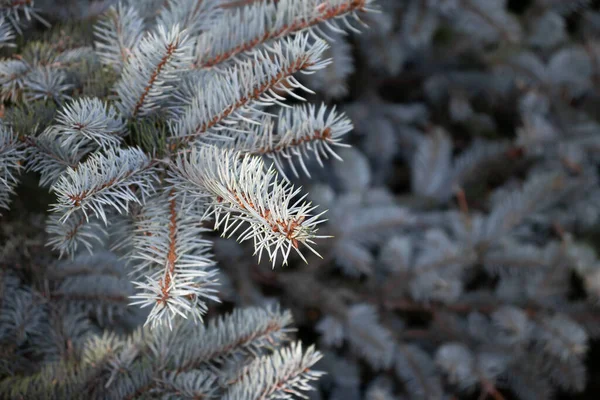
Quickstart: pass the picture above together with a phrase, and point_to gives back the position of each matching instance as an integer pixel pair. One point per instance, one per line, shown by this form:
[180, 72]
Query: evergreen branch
[158, 360]
[299, 130]
[44, 83]
[195, 16]
[284, 374]
[174, 259]
[67, 236]
[262, 21]
[367, 337]
[560, 336]
[242, 191]
[6, 33]
[539, 192]
[49, 158]
[332, 81]
[415, 368]
[105, 180]
[431, 166]
[490, 20]
[150, 73]
[12, 78]
[117, 34]
[226, 97]
[95, 284]
[248, 331]
[12, 10]
[458, 364]
[11, 159]
[191, 385]
[492, 17]
[87, 120]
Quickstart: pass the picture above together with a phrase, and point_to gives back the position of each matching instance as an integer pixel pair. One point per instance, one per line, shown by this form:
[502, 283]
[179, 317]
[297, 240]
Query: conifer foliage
[146, 129]
[458, 256]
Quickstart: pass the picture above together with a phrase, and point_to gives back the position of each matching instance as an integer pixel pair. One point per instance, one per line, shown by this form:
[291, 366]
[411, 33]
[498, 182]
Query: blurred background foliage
[465, 217]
